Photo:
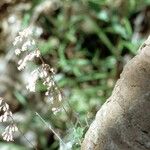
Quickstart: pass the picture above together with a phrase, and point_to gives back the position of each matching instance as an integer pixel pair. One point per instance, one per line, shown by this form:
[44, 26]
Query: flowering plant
[26, 46]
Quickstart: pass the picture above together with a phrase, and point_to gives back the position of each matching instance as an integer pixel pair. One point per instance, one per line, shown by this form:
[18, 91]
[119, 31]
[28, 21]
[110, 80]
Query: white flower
[24, 47]
[8, 133]
[17, 51]
[43, 74]
[56, 110]
[32, 81]
[29, 57]
[26, 32]
[59, 97]
[17, 40]
[24, 41]
[27, 46]
[47, 93]
[10, 129]
[33, 42]
[1, 100]
[7, 136]
[5, 107]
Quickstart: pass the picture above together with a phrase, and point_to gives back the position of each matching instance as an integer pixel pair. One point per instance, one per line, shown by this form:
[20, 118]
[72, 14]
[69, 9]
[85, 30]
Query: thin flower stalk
[26, 46]
[8, 134]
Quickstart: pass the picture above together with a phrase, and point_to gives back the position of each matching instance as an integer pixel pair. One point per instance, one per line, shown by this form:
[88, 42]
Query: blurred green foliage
[86, 40]
[11, 146]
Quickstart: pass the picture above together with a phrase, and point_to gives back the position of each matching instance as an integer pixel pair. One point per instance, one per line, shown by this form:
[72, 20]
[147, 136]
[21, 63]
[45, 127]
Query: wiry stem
[24, 135]
[50, 128]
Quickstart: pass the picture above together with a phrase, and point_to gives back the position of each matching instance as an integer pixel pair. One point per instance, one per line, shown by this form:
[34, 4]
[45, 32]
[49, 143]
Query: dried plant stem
[73, 126]
[24, 136]
[50, 128]
[75, 114]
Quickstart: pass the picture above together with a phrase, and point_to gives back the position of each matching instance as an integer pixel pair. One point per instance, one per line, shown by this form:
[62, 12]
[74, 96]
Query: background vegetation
[88, 42]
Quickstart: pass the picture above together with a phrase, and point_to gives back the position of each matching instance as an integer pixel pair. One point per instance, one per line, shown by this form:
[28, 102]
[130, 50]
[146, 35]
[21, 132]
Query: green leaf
[128, 27]
[103, 15]
[78, 133]
[10, 146]
[20, 97]
[26, 20]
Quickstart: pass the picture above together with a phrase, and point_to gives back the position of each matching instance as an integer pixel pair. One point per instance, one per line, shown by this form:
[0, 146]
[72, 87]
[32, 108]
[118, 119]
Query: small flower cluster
[7, 114]
[25, 43]
[23, 62]
[9, 131]
[46, 74]
[23, 37]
